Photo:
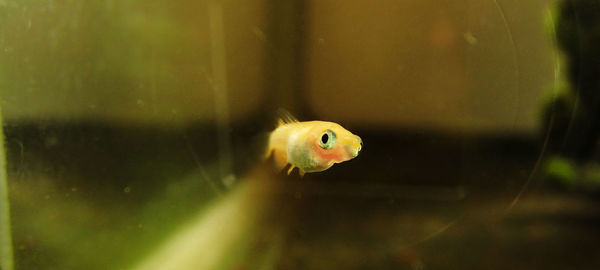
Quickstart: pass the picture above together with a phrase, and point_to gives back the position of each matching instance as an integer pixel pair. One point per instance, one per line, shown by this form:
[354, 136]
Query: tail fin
[281, 159]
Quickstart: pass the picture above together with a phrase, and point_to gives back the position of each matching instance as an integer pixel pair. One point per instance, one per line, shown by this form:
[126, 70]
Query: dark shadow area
[410, 200]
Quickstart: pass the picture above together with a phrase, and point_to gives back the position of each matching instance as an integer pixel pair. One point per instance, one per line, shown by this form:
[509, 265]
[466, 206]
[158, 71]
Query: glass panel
[180, 135]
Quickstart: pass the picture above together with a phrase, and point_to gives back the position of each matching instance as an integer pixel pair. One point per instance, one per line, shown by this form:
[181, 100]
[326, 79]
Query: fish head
[331, 143]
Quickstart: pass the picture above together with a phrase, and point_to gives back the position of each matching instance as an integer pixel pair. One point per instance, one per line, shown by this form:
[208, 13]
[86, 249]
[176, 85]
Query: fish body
[311, 146]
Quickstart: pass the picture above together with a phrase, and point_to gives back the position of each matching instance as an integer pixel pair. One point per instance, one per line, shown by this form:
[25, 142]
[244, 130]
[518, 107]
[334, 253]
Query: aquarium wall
[129, 62]
[479, 66]
[474, 65]
[136, 133]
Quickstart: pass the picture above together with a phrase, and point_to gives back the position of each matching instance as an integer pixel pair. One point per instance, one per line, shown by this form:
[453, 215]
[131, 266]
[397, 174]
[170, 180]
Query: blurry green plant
[570, 114]
[561, 171]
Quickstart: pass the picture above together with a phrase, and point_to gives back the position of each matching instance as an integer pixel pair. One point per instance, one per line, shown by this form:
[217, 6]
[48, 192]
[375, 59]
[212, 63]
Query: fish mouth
[354, 147]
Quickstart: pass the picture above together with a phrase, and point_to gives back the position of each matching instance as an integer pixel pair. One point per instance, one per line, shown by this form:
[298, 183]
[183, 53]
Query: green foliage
[561, 170]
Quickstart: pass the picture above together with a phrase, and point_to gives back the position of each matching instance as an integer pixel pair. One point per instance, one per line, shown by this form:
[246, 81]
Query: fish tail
[280, 158]
[268, 153]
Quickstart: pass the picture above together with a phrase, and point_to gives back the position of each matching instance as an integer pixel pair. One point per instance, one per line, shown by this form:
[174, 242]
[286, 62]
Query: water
[134, 133]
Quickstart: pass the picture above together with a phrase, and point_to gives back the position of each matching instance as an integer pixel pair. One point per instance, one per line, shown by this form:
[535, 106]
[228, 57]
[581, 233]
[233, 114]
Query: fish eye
[327, 140]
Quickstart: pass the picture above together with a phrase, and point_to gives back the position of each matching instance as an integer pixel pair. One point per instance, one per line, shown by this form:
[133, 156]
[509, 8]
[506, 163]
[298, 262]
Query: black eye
[327, 140]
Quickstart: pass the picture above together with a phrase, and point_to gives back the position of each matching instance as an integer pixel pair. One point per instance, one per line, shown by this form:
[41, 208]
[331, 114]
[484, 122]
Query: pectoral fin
[291, 169]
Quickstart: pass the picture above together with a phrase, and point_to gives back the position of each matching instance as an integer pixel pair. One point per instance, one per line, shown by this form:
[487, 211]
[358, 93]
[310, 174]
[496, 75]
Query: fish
[310, 146]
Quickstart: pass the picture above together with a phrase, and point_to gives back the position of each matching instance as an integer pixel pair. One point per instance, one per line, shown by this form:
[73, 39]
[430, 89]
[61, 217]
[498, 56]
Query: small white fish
[311, 146]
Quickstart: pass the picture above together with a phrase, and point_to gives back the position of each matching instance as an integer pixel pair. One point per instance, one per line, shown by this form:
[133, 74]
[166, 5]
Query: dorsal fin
[285, 117]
